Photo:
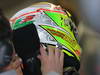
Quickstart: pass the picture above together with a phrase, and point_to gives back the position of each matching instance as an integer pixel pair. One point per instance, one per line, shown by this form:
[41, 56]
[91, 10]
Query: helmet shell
[53, 24]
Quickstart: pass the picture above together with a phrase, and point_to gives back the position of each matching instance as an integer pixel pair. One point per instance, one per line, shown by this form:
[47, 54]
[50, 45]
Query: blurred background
[89, 37]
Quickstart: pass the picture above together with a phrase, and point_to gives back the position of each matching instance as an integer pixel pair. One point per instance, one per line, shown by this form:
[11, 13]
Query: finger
[16, 64]
[22, 66]
[43, 57]
[39, 57]
[43, 52]
[21, 63]
[51, 51]
[62, 58]
[57, 53]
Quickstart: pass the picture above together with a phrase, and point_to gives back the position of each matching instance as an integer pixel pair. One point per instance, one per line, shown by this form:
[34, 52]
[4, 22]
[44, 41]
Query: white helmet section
[40, 18]
[38, 6]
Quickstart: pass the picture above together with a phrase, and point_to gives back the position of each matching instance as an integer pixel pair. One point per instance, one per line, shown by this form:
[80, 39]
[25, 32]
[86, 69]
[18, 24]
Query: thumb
[39, 57]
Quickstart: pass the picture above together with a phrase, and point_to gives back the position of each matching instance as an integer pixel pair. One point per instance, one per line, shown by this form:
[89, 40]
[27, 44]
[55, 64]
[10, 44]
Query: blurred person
[7, 54]
[5, 29]
[91, 39]
[47, 24]
[9, 63]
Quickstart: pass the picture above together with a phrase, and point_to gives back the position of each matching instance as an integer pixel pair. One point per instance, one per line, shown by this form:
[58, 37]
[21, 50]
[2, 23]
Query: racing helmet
[54, 26]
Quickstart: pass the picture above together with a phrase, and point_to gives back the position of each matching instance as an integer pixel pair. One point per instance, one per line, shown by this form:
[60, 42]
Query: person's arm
[51, 62]
[53, 73]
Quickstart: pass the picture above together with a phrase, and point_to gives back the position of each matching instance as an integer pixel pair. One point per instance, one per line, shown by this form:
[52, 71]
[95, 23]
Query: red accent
[78, 52]
[38, 10]
[28, 18]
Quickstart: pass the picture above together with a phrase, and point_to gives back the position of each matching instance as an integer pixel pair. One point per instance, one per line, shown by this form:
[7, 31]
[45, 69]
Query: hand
[51, 61]
[16, 64]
